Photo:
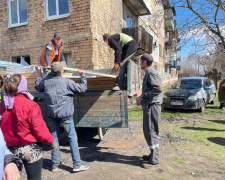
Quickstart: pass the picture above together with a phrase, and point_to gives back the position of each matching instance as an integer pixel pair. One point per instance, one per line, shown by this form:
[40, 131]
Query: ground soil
[117, 156]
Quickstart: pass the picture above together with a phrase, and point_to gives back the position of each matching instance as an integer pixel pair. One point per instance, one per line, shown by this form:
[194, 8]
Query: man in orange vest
[53, 52]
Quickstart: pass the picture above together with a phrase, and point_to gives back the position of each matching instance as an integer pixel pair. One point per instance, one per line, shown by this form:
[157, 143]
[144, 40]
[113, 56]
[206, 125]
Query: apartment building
[26, 26]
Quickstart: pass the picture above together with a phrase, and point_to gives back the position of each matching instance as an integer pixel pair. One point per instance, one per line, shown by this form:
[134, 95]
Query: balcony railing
[169, 44]
[173, 34]
[174, 64]
[143, 38]
[170, 13]
[169, 25]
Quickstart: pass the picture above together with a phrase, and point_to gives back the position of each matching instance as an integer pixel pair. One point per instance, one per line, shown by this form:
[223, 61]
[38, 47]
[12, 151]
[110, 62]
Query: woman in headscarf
[23, 126]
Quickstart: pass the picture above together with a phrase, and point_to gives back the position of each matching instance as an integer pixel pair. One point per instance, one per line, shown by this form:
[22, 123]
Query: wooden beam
[86, 71]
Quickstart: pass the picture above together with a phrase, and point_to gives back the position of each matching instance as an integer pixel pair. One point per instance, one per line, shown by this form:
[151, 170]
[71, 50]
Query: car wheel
[202, 107]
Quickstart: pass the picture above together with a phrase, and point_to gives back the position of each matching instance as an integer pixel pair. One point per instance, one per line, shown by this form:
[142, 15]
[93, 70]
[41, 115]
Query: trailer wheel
[101, 132]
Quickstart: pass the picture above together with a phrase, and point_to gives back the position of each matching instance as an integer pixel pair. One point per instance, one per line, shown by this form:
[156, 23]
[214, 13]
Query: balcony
[169, 44]
[169, 25]
[179, 58]
[174, 64]
[173, 34]
[138, 7]
[170, 13]
[143, 38]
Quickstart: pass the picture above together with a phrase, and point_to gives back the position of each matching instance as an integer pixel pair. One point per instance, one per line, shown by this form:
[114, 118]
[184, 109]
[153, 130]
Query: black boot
[221, 106]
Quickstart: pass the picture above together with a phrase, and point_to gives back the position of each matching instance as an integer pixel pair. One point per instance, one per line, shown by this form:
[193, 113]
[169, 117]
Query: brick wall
[30, 39]
[106, 17]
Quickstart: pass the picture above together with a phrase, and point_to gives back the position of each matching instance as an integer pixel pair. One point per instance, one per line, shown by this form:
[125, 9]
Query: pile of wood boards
[94, 83]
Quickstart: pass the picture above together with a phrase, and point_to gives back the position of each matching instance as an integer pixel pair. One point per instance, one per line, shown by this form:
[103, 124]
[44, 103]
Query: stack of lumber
[94, 83]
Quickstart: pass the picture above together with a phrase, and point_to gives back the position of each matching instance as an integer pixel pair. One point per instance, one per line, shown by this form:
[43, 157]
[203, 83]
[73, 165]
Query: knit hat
[105, 36]
[57, 66]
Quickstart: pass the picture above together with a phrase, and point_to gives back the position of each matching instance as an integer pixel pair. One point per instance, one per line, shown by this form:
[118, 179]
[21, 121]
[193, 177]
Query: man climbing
[124, 46]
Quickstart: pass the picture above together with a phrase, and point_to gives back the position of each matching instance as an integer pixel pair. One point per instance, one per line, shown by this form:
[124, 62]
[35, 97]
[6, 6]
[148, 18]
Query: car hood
[182, 92]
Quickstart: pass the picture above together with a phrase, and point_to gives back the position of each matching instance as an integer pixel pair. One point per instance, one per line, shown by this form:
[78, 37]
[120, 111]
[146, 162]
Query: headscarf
[22, 89]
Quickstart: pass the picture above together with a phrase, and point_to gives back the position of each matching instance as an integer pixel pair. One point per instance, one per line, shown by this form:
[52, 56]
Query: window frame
[57, 16]
[18, 15]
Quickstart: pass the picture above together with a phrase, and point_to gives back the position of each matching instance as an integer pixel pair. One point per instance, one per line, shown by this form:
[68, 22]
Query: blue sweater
[58, 93]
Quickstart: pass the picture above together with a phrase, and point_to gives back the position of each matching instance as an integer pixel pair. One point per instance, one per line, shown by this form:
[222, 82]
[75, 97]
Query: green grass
[202, 137]
[179, 160]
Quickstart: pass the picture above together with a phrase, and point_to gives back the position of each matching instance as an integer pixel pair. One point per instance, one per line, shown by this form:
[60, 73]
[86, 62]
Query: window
[130, 21]
[57, 9]
[17, 12]
[68, 59]
[160, 50]
[19, 59]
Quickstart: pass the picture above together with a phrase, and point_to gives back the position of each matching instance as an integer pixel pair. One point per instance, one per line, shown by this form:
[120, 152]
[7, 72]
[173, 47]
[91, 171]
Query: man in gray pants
[151, 100]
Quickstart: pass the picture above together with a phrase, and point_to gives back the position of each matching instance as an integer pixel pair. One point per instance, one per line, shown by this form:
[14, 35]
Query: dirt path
[117, 156]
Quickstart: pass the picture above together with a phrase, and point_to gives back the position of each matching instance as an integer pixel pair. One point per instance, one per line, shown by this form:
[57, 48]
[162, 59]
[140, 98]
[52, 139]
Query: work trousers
[128, 49]
[151, 118]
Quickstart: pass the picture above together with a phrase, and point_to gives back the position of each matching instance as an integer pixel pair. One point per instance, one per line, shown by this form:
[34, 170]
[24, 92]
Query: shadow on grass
[202, 129]
[218, 121]
[212, 107]
[217, 140]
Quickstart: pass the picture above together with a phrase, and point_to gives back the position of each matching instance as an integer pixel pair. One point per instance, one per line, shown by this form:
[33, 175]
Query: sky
[196, 35]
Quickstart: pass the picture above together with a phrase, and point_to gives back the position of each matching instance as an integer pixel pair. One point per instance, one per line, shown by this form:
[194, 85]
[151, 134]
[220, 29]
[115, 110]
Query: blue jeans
[68, 125]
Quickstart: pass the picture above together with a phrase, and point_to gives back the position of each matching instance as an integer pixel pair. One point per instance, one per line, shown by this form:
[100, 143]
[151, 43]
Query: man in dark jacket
[124, 46]
[151, 100]
[58, 92]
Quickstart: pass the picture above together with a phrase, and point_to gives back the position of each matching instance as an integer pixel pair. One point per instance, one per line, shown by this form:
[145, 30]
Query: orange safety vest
[51, 56]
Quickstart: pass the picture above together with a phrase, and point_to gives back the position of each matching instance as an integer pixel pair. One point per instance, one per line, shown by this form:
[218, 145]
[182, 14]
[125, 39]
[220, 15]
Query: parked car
[190, 93]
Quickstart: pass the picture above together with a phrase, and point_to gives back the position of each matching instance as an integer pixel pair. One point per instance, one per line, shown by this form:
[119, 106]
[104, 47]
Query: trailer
[98, 107]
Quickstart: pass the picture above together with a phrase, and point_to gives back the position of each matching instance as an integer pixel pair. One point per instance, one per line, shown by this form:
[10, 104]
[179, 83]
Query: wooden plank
[86, 71]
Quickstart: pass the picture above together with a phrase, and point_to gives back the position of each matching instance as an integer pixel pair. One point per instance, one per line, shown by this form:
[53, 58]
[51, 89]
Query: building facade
[26, 26]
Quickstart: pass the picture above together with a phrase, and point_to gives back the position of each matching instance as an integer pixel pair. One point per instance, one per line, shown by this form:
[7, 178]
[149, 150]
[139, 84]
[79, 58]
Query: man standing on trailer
[151, 100]
[124, 46]
[53, 52]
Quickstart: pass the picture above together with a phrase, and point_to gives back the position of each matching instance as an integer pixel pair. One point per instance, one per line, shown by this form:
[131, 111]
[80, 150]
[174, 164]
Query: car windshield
[187, 84]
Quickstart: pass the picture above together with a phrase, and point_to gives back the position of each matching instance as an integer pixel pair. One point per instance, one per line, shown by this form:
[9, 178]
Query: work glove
[55, 146]
[116, 68]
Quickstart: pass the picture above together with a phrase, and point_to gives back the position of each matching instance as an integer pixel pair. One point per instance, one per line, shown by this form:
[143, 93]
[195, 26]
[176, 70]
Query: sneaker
[54, 168]
[116, 88]
[81, 167]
